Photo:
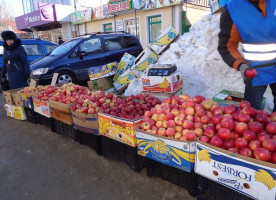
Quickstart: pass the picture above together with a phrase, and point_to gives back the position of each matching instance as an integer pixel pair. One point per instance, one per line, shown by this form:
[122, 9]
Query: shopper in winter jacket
[15, 62]
[252, 22]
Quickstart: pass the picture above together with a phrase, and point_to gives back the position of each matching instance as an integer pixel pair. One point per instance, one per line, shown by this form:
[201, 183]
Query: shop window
[49, 47]
[107, 27]
[33, 49]
[91, 46]
[131, 42]
[130, 27]
[113, 43]
[154, 27]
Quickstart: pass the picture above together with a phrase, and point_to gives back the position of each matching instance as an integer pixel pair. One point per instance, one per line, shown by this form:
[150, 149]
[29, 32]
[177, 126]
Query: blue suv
[35, 48]
[73, 58]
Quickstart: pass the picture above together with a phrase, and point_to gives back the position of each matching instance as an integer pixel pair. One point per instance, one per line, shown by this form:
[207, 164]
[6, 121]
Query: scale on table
[161, 70]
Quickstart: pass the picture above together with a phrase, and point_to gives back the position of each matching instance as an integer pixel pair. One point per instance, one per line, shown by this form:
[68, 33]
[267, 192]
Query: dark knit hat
[8, 35]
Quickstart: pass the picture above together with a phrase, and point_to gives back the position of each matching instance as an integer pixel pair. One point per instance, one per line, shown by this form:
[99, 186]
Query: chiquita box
[41, 107]
[169, 83]
[9, 110]
[248, 176]
[19, 112]
[172, 152]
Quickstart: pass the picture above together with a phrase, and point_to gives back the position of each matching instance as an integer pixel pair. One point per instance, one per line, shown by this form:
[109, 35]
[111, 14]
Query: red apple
[170, 132]
[227, 123]
[250, 73]
[261, 118]
[230, 109]
[273, 158]
[244, 118]
[205, 119]
[224, 133]
[249, 111]
[273, 116]
[177, 135]
[146, 125]
[204, 139]
[175, 112]
[234, 135]
[249, 135]
[240, 143]
[256, 127]
[216, 141]
[269, 144]
[188, 124]
[271, 127]
[216, 119]
[262, 136]
[159, 124]
[229, 144]
[198, 125]
[234, 150]
[200, 112]
[162, 131]
[154, 130]
[244, 104]
[209, 131]
[246, 152]
[207, 104]
[217, 110]
[198, 132]
[145, 119]
[254, 144]
[262, 154]
[155, 117]
[240, 127]
[190, 136]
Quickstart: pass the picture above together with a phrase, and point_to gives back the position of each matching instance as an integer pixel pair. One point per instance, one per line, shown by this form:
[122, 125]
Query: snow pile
[196, 56]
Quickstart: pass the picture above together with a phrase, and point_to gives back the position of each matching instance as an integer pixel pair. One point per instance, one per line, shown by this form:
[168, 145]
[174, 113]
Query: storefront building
[48, 21]
[141, 18]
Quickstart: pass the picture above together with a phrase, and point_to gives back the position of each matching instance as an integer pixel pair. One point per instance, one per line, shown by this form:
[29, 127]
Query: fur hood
[15, 45]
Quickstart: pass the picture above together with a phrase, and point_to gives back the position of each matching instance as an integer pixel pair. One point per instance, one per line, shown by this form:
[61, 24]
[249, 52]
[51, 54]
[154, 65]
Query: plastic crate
[122, 152]
[89, 139]
[31, 115]
[187, 180]
[64, 129]
[209, 189]
[49, 122]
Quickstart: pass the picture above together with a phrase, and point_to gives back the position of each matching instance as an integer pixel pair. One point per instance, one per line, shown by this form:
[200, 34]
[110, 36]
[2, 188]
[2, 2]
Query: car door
[89, 55]
[132, 45]
[34, 51]
[114, 48]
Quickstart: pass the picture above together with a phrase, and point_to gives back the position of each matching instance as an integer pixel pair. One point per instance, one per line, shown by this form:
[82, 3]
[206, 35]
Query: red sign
[115, 5]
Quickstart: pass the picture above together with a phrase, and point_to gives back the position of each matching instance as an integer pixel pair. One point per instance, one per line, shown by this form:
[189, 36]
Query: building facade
[47, 19]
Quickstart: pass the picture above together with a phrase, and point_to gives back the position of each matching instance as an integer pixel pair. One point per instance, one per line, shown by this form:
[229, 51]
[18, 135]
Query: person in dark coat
[15, 62]
[60, 41]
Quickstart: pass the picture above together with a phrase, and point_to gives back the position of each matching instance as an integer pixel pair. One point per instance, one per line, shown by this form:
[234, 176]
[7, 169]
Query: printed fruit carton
[102, 71]
[163, 95]
[41, 107]
[125, 63]
[19, 112]
[122, 130]
[102, 84]
[162, 83]
[163, 42]
[86, 122]
[61, 112]
[227, 97]
[217, 5]
[124, 79]
[27, 100]
[9, 110]
[11, 97]
[169, 151]
[248, 176]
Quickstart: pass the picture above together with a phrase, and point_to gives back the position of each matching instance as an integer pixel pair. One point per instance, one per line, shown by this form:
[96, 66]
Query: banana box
[102, 71]
[248, 176]
[163, 42]
[162, 83]
[125, 63]
[9, 110]
[19, 112]
[124, 79]
[122, 130]
[217, 5]
[169, 151]
[144, 59]
[86, 122]
[41, 107]
[27, 100]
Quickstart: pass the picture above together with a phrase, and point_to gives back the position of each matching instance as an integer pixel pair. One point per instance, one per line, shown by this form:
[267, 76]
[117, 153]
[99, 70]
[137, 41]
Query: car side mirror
[82, 54]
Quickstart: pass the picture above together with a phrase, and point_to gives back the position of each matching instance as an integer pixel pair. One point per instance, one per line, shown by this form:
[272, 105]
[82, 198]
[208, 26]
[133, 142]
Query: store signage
[118, 5]
[100, 12]
[44, 15]
[81, 16]
[147, 5]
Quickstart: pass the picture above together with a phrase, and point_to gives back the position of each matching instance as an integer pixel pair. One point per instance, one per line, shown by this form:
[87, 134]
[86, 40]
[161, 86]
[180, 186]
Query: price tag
[54, 79]
[221, 96]
[33, 83]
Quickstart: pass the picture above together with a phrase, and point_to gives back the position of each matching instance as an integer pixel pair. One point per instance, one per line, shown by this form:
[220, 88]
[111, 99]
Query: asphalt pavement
[37, 164]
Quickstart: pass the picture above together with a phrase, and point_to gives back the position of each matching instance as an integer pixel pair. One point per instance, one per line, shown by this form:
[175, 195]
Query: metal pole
[136, 23]
[114, 23]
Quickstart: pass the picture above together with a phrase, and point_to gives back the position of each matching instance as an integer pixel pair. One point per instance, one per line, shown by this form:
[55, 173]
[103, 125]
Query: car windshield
[64, 48]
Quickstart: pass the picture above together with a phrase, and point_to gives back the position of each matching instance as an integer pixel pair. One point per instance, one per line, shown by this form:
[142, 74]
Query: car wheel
[66, 77]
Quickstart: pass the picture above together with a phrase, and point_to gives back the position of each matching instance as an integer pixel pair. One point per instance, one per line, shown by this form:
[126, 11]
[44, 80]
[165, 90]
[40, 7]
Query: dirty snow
[196, 56]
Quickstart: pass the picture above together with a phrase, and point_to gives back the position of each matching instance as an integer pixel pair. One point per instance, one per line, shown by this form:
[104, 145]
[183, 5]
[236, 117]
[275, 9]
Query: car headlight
[40, 71]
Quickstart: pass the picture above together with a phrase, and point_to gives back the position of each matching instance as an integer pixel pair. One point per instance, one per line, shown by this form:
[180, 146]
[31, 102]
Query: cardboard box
[9, 110]
[124, 79]
[164, 95]
[102, 84]
[143, 60]
[102, 71]
[19, 112]
[11, 97]
[27, 100]
[217, 5]
[61, 112]
[125, 63]
[41, 107]
[86, 122]
[162, 83]
[122, 130]
[227, 97]
[248, 176]
[169, 151]
[163, 42]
